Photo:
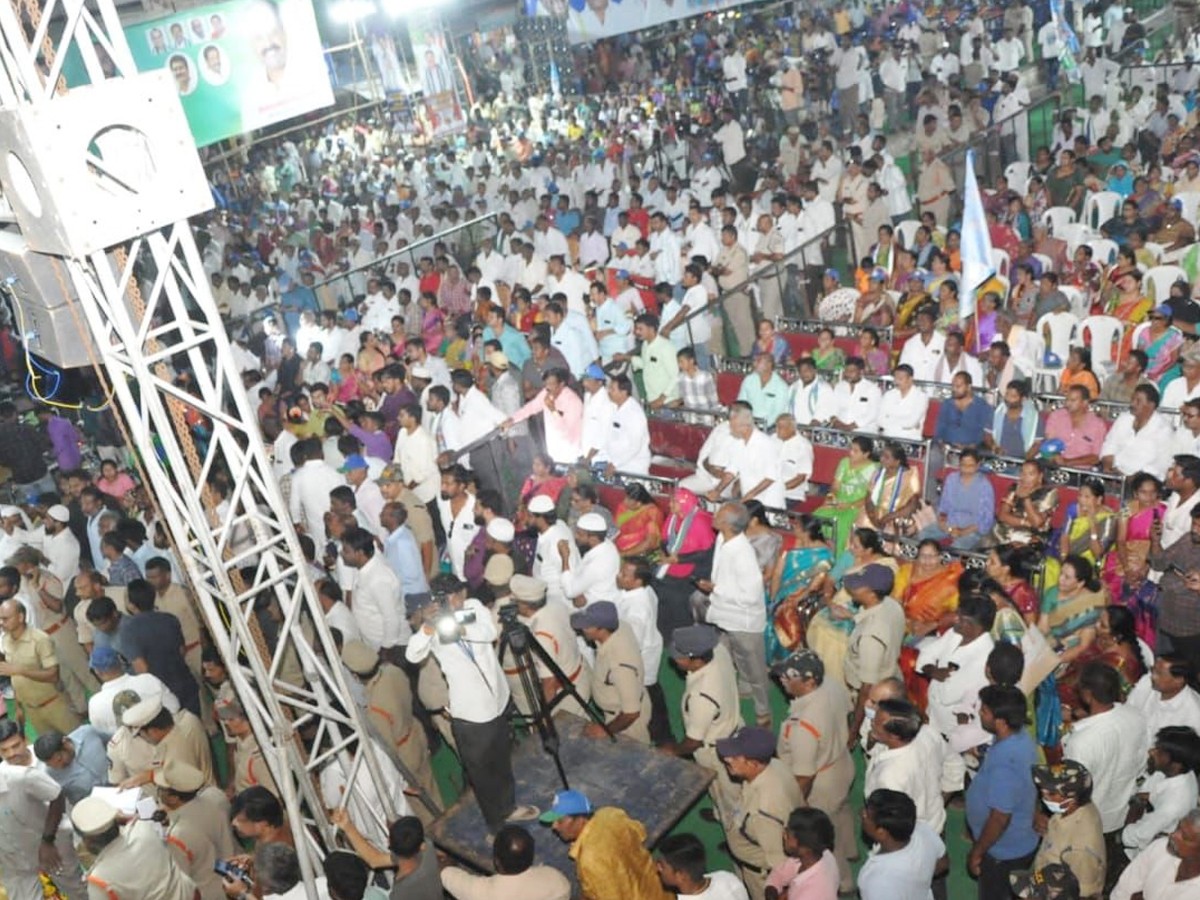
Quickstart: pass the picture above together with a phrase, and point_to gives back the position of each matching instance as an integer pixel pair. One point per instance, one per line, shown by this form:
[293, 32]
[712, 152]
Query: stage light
[395, 9]
[345, 12]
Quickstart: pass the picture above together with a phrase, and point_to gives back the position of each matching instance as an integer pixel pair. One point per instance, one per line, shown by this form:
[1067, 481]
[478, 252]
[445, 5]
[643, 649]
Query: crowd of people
[462, 431]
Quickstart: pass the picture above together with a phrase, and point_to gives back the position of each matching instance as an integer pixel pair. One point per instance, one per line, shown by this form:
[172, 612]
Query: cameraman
[732, 141]
[460, 632]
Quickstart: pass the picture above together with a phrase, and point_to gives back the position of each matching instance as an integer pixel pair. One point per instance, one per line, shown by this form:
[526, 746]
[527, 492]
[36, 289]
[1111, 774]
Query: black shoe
[708, 814]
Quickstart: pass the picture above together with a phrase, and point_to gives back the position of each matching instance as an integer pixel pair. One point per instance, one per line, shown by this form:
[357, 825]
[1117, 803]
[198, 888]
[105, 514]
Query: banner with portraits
[437, 76]
[239, 65]
[588, 20]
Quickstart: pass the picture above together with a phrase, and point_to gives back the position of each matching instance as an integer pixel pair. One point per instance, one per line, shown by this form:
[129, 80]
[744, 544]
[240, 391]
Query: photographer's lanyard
[466, 648]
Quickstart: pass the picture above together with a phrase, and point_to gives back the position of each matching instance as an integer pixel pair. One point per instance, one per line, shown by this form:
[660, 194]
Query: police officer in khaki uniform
[31, 661]
[617, 686]
[181, 737]
[246, 763]
[390, 712]
[550, 624]
[131, 863]
[769, 793]
[711, 710]
[129, 753]
[814, 745]
[875, 642]
[198, 832]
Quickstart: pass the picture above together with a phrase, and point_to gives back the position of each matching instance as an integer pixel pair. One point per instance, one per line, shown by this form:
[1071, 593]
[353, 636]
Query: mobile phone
[1177, 570]
[226, 869]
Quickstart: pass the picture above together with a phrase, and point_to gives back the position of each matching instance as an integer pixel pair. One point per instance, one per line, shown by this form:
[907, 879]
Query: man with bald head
[32, 663]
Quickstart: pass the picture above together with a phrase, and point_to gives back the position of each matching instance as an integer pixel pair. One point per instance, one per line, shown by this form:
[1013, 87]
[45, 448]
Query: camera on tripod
[515, 631]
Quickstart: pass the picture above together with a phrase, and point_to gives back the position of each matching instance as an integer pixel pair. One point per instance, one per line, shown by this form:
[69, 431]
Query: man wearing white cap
[60, 545]
[32, 807]
[552, 534]
[550, 624]
[13, 533]
[594, 577]
[129, 862]
[198, 832]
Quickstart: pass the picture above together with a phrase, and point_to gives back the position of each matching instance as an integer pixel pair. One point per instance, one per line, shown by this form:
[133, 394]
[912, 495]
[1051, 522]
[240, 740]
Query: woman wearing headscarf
[687, 543]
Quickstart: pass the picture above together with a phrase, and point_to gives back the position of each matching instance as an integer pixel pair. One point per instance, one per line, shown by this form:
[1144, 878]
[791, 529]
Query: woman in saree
[1134, 523]
[639, 523]
[371, 357]
[1091, 527]
[1078, 371]
[766, 541]
[829, 631]
[432, 330]
[542, 480]
[687, 543]
[1010, 565]
[827, 356]
[894, 494]
[851, 484]
[1115, 645]
[928, 591]
[1130, 305]
[1161, 343]
[798, 574]
[1070, 611]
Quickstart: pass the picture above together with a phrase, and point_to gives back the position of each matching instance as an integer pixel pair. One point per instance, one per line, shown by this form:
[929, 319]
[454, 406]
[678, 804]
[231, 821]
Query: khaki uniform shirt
[617, 682]
[138, 866]
[33, 650]
[128, 756]
[736, 265]
[814, 736]
[756, 838]
[710, 701]
[249, 767]
[874, 652]
[198, 834]
[188, 742]
[551, 625]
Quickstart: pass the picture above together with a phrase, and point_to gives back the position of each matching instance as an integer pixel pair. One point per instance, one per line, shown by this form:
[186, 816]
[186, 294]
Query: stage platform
[652, 787]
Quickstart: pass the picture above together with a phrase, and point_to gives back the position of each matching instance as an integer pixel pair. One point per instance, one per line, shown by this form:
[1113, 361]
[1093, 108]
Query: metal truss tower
[102, 178]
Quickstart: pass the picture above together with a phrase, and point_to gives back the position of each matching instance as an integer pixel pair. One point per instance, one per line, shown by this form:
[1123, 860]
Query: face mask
[869, 713]
[1055, 808]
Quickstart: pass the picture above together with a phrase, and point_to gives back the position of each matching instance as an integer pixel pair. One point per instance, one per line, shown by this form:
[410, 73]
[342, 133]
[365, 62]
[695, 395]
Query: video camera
[447, 621]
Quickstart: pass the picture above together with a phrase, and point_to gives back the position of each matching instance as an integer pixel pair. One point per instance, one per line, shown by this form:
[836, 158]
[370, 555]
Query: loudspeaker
[103, 164]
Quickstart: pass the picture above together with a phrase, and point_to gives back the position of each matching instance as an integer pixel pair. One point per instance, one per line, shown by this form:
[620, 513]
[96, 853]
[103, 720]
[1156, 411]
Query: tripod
[516, 638]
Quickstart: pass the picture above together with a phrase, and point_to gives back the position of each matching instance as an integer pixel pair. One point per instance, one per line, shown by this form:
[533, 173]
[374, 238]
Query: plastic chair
[1047, 262]
[1059, 327]
[1105, 343]
[1104, 251]
[1155, 250]
[1190, 202]
[1160, 279]
[1018, 176]
[1058, 216]
[1079, 304]
[1000, 261]
[1133, 340]
[1100, 207]
[906, 232]
[1076, 234]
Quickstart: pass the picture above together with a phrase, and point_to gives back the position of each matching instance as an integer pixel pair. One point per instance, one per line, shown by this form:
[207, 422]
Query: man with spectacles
[30, 660]
[1187, 435]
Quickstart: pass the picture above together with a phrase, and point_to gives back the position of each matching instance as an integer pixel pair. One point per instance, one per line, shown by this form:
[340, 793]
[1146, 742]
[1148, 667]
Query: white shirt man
[1153, 874]
[1112, 746]
[378, 605]
[903, 874]
[812, 403]
[594, 578]
[923, 355]
[628, 444]
[902, 413]
[460, 531]
[1170, 799]
[914, 769]
[478, 689]
[547, 564]
[598, 410]
[61, 549]
[474, 417]
[857, 403]
[416, 454]
[638, 608]
[1142, 450]
[960, 691]
[1182, 709]
[100, 704]
[755, 460]
[737, 587]
[795, 459]
[715, 452]
[309, 499]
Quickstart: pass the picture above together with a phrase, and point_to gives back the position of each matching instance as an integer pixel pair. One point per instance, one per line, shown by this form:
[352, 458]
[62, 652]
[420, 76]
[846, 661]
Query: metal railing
[462, 242]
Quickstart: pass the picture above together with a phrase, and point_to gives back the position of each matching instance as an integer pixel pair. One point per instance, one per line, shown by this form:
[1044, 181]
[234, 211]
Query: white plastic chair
[1133, 340]
[1047, 262]
[1100, 207]
[906, 232]
[1190, 202]
[1058, 216]
[1155, 250]
[1104, 251]
[1079, 304]
[1105, 343]
[1076, 234]
[1001, 261]
[1018, 176]
[1056, 329]
[1160, 279]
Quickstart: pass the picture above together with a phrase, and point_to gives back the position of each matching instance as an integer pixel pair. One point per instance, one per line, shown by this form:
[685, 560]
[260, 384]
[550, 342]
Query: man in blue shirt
[400, 549]
[1001, 799]
[963, 421]
[512, 342]
[78, 761]
[967, 507]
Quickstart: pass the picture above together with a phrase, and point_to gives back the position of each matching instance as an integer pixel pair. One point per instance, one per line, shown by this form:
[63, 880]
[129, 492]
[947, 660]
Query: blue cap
[350, 315]
[601, 614]
[354, 461]
[105, 659]
[752, 743]
[834, 274]
[594, 371]
[567, 803]
[623, 274]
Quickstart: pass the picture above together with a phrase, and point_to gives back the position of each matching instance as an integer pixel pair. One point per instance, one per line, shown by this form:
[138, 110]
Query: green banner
[239, 65]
